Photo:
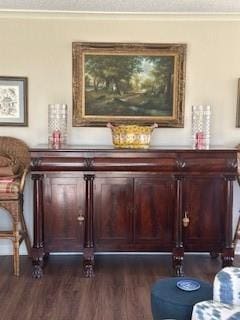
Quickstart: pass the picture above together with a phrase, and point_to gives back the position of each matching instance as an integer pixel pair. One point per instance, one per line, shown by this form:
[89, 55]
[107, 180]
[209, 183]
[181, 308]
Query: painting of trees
[128, 85]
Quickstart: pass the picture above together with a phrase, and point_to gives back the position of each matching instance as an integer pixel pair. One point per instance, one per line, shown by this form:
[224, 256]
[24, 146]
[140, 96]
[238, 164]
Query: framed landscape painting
[13, 101]
[128, 84]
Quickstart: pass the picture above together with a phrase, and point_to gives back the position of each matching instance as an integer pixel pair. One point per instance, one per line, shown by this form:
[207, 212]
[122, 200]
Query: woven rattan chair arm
[23, 179]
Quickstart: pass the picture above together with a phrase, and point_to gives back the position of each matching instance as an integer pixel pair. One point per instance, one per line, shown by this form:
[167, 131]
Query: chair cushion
[209, 310]
[4, 160]
[9, 166]
[9, 186]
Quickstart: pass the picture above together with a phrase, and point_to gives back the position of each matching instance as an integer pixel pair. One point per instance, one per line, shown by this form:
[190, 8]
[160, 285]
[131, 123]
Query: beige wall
[38, 46]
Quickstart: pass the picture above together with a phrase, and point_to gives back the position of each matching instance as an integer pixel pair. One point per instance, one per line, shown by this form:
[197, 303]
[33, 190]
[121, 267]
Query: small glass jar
[201, 126]
[57, 124]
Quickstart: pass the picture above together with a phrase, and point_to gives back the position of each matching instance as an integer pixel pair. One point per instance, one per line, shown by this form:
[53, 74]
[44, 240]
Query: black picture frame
[13, 101]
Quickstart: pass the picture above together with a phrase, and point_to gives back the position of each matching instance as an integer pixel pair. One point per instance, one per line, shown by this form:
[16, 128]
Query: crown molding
[153, 16]
[125, 6]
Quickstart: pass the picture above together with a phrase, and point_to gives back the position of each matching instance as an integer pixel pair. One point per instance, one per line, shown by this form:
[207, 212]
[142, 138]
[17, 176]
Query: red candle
[199, 140]
[56, 138]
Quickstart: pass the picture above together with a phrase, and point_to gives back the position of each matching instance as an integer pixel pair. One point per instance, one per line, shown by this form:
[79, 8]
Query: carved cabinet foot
[177, 261]
[227, 261]
[37, 272]
[179, 271]
[88, 269]
[227, 257]
[38, 262]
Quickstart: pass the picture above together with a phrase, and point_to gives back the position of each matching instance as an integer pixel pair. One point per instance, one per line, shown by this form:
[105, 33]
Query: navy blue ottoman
[168, 301]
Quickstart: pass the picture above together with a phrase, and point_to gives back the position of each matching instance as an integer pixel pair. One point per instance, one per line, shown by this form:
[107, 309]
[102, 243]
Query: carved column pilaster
[178, 250]
[88, 253]
[38, 239]
[228, 251]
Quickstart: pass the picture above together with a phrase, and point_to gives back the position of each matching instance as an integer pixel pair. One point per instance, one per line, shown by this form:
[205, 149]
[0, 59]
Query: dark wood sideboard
[91, 199]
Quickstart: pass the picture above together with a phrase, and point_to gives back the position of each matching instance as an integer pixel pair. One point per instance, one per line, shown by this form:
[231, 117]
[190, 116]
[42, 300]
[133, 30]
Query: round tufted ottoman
[168, 301]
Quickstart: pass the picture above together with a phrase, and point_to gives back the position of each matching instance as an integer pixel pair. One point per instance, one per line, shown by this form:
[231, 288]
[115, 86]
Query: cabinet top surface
[109, 148]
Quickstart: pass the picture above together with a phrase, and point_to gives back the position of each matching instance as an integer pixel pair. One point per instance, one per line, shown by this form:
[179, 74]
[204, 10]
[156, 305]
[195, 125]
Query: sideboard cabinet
[97, 199]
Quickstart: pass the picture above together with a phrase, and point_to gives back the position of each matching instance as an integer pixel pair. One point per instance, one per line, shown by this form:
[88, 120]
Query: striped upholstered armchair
[226, 298]
[14, 164]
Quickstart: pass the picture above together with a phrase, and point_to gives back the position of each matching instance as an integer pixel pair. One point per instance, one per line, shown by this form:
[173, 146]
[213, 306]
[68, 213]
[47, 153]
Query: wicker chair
[11, 192]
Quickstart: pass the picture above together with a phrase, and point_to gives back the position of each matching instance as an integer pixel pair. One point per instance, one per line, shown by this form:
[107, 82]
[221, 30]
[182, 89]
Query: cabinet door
[204, 204]
[154, 209]
[113, 198]
[63, 205]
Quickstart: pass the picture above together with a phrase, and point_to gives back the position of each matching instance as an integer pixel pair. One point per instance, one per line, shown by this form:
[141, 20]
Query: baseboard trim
[6, 250]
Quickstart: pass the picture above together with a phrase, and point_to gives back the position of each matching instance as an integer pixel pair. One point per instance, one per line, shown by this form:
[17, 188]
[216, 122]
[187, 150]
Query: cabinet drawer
[135, 164]
[203, 162]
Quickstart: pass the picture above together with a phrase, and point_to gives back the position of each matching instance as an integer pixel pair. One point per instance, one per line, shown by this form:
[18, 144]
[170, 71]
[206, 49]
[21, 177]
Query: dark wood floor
[120, 289]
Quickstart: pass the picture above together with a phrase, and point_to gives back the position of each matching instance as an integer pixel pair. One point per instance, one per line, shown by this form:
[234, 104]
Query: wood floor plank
[120, 289]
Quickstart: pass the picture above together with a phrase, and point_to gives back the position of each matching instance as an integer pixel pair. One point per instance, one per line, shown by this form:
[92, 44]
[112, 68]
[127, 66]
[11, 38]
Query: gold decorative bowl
[131, 136]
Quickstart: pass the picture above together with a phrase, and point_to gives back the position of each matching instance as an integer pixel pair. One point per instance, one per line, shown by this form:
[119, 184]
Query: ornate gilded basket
[131, 136]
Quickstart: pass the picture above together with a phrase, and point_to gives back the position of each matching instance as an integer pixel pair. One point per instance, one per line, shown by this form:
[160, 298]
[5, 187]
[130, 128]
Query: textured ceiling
[125, 6]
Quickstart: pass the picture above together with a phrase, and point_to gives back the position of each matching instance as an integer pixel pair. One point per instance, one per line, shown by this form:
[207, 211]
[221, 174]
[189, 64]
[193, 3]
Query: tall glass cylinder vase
[57, 124]
[201, 126]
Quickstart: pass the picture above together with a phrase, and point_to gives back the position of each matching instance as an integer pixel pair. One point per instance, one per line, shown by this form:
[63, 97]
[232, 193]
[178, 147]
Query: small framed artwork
[128, 83]
[13, 101]
[238, 106]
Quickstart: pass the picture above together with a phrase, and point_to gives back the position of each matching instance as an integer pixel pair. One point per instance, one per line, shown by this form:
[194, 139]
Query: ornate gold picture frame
[126, 83]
